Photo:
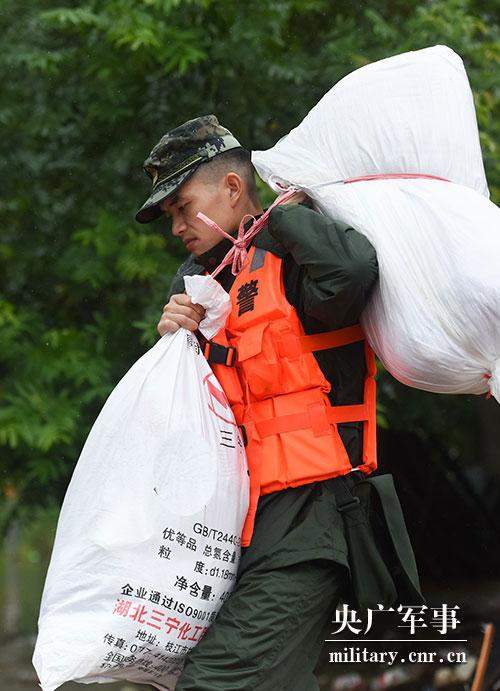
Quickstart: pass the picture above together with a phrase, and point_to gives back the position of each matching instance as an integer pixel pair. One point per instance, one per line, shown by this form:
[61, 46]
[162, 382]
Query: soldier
[300, 379]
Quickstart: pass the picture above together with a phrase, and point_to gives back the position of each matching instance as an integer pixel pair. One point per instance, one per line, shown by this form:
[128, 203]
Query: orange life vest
[264, 362]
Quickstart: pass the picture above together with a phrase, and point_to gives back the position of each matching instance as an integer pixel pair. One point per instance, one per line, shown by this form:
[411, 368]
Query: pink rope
[393, 176]
[238, 253]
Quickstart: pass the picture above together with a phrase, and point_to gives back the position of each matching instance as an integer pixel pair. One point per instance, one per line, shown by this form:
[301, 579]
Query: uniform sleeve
[187, 268]
[176, 285]
[339, 264]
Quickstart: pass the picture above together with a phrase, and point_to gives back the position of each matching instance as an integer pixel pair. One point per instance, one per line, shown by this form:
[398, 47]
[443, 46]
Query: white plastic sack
[148, 538]
[434, 318]
[411, 113]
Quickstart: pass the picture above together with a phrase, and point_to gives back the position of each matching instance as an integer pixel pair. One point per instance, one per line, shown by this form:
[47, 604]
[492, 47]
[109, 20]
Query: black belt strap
[381, 560]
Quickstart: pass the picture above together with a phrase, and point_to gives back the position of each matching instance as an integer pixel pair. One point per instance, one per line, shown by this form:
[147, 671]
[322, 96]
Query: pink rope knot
[238, 254]
[488, 393]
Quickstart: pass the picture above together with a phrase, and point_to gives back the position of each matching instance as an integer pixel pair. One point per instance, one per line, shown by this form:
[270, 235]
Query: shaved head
[233, 161]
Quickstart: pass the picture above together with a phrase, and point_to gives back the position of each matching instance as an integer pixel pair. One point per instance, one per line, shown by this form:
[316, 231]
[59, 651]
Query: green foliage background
[87, 89]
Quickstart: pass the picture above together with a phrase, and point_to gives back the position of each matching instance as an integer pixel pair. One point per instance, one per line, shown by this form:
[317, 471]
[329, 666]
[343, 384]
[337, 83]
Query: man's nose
[178, 226]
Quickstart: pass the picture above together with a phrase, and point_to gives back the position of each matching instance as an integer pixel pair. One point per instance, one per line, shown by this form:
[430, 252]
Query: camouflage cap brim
[151, 210]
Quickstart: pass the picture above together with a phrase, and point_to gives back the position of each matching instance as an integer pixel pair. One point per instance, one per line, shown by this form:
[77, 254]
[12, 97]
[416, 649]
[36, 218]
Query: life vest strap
[219, 354]
[290, 344]
[305, 420]
[332, 339]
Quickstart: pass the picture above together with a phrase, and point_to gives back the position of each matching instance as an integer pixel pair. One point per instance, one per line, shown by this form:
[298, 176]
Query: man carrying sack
[322, 527]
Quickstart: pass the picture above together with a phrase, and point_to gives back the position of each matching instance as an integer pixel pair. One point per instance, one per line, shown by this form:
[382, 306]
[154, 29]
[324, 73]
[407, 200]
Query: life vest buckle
[219, 354]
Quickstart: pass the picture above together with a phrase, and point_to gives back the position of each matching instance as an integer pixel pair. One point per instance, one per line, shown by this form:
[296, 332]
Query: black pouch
[381, 560]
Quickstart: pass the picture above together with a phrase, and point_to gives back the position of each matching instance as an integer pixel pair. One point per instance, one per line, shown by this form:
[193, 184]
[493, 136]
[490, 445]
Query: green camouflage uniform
[305, 556]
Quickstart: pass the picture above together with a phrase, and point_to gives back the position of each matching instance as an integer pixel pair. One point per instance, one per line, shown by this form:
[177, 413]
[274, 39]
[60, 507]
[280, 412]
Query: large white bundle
[148, 538]
[412, 113]
[434, 316]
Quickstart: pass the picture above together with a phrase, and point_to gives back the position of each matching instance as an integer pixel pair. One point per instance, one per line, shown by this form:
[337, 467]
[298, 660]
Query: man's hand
[180, 311]
[296, 198]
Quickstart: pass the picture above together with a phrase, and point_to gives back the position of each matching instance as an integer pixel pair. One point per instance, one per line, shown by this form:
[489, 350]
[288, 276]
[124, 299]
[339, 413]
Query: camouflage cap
[178, 154]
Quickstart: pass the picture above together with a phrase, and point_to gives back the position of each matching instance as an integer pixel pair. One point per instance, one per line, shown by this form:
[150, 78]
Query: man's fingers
[296, 198]
[198, 308]
[185, 301]
[177, 320]
[181, 299]
[190, 312]
[167, 326]
[186, 322]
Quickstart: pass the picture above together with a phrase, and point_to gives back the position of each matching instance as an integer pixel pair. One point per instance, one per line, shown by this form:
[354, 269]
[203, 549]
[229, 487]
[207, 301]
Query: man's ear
[235, 188]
